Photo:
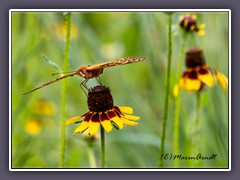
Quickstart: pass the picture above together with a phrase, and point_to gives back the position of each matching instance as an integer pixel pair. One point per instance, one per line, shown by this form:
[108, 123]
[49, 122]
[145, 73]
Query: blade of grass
[50, 62]
[64, 90]
[177, 104]
[165, 116]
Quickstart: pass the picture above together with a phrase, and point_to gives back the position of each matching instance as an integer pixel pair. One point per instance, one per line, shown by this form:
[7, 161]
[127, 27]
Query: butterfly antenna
[50, 82]
[62, 73]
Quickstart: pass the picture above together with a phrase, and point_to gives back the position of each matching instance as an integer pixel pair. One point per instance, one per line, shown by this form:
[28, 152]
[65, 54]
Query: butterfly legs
[84, 87]
[98, 80]
[83, 84]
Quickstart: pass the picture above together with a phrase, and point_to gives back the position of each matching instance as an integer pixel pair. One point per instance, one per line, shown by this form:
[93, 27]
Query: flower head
[60, 30]
[33, 126]
[103, 112]
[198, 75]
[44, 107]
[189, 24]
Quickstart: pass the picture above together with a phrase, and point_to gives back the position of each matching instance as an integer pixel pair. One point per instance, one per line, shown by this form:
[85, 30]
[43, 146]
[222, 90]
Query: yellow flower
[198, 75]
[223, 80]
[44, 107]
[60, 30]
[103, 112]
[33, 126]
[189, 24]
[194, 79]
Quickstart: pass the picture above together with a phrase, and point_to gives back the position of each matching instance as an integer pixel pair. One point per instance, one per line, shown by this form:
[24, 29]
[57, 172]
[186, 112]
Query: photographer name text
[199, 156]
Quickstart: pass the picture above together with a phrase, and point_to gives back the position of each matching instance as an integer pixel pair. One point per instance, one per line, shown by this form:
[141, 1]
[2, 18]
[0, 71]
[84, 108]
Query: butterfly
[88, 72]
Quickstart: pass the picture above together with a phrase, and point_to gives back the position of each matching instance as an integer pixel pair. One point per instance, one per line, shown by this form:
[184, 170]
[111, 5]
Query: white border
[116, 10]
[229, 88]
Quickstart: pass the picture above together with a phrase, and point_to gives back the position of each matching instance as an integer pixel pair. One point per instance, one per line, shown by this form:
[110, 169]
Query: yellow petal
[200, 31]
[185, 23]
[106, 125]
[117, 121]
[131, 117]
[176, 90]
[192, 27]
[83, 126]
[201, 26]
[223, 80]
[194, 17]
[125, 109]
[93, 127]
[129, 123]
[190, 84]
[207, 78]
[72, 120]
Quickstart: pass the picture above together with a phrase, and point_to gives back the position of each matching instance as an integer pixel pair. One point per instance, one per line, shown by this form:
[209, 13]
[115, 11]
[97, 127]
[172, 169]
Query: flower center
[100, 99]
[194, 58]
[188, 23]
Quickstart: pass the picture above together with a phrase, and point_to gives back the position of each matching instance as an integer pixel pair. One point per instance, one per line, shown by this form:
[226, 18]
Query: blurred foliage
[39, 37]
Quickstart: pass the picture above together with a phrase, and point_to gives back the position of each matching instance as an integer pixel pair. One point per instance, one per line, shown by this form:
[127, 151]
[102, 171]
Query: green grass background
[104, 36]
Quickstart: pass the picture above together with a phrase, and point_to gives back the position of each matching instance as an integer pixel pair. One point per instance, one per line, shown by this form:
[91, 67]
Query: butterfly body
[87, 73]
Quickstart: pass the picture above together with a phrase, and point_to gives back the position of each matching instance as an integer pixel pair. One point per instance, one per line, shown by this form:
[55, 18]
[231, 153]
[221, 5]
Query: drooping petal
[185, 23]
[117, 121]
[190, 84]
[131, 117]
[107, 125]
[192, 27]
[111, 114]
[200, 30]
[93, 127]
[105, 122]
[117, 111]
[201, 26]
[223, 80]
[72, 120]
[129, 123]
[103, 116]
[95, 117]
[205, 76]
[88, 116]
[83, 126]
[125, 109]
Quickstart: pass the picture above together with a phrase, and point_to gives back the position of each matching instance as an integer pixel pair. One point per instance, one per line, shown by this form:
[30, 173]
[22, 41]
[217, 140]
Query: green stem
[196, 126]
[63, 99]
[103, 147]
[177, 105]
[167, 88]
[91, 157]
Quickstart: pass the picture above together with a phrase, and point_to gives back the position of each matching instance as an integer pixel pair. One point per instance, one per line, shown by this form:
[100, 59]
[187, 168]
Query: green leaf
[50, 62]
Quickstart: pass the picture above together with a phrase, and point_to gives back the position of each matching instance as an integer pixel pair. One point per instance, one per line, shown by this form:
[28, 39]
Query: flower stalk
[177, 103]
[103, 147]
[64, 89]
[196, 125]
[167, 88]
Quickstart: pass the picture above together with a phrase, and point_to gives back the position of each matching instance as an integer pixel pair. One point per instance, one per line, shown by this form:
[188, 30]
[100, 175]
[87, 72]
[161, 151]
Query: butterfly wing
[116, 62]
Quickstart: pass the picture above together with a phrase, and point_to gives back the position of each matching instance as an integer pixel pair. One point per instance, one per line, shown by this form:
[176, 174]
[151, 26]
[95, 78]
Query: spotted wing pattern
[117, 62]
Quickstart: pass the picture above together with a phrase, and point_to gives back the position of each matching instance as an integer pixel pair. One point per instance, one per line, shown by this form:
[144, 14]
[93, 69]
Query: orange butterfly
[89, 72]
